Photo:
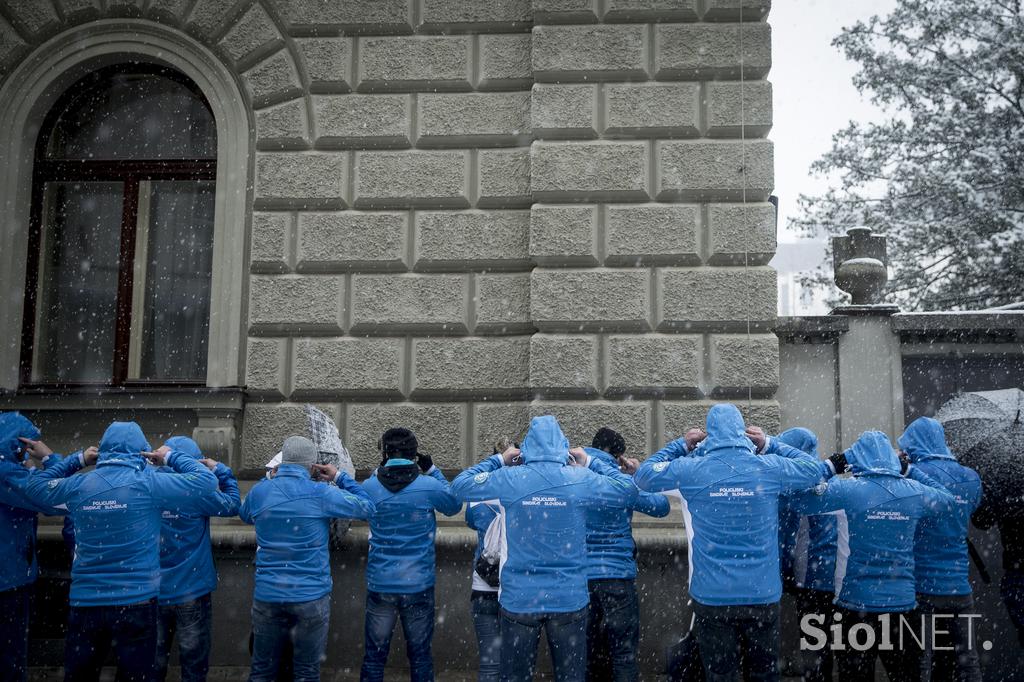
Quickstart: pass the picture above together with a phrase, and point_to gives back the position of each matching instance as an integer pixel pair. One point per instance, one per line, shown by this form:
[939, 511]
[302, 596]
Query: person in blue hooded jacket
[407, 488]
[115, 576]
[544, 575]
[613, 621]
[940, 553]
[731, 508]
[187, 574]
[292, 596]
[879, 513]
[807, 555]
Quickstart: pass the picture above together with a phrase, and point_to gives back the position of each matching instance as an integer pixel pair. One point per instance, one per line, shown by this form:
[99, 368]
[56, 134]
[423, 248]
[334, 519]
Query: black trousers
[613, 631]
[815, 666]
[902, 663]
[94, 630]
[14, 612]
[729, 635]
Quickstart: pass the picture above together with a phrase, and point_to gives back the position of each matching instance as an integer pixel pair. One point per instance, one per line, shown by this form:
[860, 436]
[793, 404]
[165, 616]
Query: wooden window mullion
[125, 280]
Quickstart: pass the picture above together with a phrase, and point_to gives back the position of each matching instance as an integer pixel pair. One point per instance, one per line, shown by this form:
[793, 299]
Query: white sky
[813, 91]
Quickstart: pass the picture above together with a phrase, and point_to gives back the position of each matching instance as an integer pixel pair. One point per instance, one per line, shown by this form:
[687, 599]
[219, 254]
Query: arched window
[121, 233]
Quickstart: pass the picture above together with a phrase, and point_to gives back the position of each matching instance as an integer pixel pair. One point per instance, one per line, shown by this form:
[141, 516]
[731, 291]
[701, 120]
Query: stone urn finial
[861, 265]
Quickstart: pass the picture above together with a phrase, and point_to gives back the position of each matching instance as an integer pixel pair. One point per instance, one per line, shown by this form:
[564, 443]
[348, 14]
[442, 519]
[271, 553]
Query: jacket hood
[184, 444]
[725, 429]
[124, 441]
[15, 425]
[395, 476]
[925, 439]
[802, 439]
[873, 454]
[545, 442]
[602, 455]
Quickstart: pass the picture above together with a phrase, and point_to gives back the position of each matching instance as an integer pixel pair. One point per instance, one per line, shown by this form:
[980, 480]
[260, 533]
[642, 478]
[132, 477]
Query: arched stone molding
[29, 92]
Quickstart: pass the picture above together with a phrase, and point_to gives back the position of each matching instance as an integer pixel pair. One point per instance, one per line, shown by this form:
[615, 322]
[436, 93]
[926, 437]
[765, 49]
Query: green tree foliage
[943, 176]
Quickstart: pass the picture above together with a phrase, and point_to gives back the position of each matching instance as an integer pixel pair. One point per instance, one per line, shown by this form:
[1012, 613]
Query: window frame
[128, 171]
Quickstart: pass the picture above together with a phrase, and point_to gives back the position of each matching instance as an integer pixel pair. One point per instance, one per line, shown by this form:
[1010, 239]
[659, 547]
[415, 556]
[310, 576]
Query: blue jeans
[567, 640]
[129, 630]
[729, 635]
[14, 611]
[955, 657]
[488, 634]
[192, 622]
[613, 631]
[304, 624]
[416, 612]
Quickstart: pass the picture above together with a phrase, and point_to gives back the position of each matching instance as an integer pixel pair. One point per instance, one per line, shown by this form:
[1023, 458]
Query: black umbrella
[999, 461]
[971, 418]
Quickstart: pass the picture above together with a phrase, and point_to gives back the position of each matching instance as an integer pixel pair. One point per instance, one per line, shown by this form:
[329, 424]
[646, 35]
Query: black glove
[904, 464]
[425, 462]
[839, 462]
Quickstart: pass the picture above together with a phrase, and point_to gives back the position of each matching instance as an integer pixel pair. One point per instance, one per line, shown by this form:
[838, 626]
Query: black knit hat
[610, 441]
[399, 442]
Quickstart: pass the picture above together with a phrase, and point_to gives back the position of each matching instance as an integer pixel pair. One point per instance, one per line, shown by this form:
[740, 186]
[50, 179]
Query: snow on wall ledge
[468, 212]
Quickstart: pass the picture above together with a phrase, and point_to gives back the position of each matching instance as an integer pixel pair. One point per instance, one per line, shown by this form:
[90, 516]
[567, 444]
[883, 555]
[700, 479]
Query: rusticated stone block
[482, 367]
[475, 15]
[301, 180]
[273, 80]
[363, 120]
[415, 63]
[377, 17]
[564, 365]
[355, 368]
[702, 171]
[505, 61]
[288, 301]
[565, 11]
[172, 9]
[463, 240]
[736, 10]
[494, 422]
[11, 45]
[739, 109]
[712, 51]
[328, 63]
[504, 178]
[716, 298]
[655, 365]
[271, 235]
[440, 429]
[254, 30]
[590, 170]
[208, 17]
[679, 417]
[284, 126]
[409, 302]
[411, 179]
[79, 9]
[473, 119]
[503, 303]
[589, 53]
[576, 300]
[266, 426]
[651, 10]
[653, 234]
[742, 364]
[564, 111]
[653, 109]
[741, 233]
[563, 235]
[352, 240]
[581, 420]
[265, 367]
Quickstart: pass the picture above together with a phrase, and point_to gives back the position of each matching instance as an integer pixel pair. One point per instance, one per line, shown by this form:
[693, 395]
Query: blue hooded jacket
[545, 503]
[940, 545]
[611, 551]
[116, 511]
[291, 513]
[807, 544]
[879, 512]
[186, 559]
[401, 557]
[731, 507]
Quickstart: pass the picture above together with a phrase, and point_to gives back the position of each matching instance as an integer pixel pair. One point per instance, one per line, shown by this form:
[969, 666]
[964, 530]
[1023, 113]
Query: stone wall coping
[819, 326]
[975, 320]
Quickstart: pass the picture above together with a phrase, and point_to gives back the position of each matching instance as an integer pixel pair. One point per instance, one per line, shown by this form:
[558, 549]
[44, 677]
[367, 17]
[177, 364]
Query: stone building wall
[466, 212]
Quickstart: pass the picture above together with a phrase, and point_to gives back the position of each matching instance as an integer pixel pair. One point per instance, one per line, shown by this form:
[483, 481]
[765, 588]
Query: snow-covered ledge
[28, 93]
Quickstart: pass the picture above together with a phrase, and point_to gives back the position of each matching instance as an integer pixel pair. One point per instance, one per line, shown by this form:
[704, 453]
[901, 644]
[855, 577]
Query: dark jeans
[484, 606]
[815, 666]
[303, 624]
[1012, 590]
[954, 658]
[383, 610]
[191, 622]
[14, 612]
[94, 630]
[902, 663]
[567, 640]
[728, 635]
[613, 631]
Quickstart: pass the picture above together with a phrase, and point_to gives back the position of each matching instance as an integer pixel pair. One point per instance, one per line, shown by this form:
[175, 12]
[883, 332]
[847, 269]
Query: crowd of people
[865, 552]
